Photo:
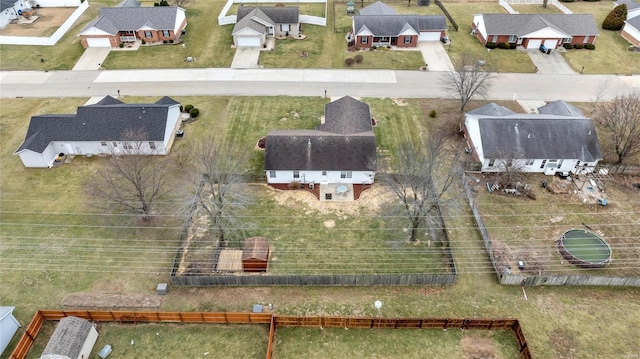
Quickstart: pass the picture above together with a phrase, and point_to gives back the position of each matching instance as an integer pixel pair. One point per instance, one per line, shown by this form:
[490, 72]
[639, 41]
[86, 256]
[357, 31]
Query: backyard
[52, 231]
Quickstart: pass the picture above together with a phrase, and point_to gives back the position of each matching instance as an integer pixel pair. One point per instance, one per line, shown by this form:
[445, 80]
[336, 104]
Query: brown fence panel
[29, 335]
[272, 333]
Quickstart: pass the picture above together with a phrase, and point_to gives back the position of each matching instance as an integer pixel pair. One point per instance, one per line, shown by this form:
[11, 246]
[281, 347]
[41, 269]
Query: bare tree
[133, 178]
[180, 3]
[419, 177]
[219, 169]
[620, 117]
[469, 79]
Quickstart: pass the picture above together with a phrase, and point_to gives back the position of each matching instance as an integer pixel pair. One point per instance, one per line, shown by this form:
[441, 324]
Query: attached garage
[429, 36]
[98, 42]
[551, 43]
[248, 41]
[534, 44]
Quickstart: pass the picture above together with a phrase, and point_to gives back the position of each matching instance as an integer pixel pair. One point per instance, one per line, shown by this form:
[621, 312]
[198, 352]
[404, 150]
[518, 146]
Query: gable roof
[247, 16]
[5, 4]
[378, 8]
[634, 22]
[345, 142]
[523, 24]
[539, 136]
[68, 338]
[630, 4]
[492, 109]
[107, 120]
[392, 25]
[256, 248]
[561, 108]
[129, 3]
[115, 19]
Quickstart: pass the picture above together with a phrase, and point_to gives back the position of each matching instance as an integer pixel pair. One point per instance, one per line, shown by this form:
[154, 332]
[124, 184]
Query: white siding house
[341, 150]
[558, 139]
[101, 129]
[255, 24]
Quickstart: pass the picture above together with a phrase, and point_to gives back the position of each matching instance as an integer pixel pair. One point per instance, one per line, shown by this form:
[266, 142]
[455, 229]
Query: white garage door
[534, 44]
[98, 42]
[429, 36]
[550, 44]
[248, 41]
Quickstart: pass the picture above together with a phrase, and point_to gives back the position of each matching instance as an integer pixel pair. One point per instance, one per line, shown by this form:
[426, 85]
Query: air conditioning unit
[473, 31]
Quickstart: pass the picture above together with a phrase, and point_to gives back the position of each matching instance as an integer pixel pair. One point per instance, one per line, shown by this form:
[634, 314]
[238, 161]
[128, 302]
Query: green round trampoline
[584, 248]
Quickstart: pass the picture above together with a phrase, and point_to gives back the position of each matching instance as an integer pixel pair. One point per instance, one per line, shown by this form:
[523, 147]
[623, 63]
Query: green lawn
[51, 231]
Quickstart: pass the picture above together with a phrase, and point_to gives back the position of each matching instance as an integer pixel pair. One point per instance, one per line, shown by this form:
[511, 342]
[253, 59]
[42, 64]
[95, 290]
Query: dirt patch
[49, 20]
[109, 300]
[478, 348]
[564, 344]
[399, 102]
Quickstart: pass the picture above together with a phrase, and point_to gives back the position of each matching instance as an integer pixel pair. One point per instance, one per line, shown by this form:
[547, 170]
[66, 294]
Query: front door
[394, 41]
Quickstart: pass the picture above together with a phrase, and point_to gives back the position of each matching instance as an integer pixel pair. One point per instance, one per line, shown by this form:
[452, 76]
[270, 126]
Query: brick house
[533, 30]
[380, 25]
[116, 25]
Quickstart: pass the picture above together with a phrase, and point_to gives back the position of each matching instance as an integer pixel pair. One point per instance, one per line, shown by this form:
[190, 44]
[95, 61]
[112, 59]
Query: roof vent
[309, 143]
[589, 132]
[529, 136]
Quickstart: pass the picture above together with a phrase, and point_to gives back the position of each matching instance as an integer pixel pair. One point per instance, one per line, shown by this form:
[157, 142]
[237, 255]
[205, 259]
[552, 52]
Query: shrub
[433, 114]
[171, 41]
[164, 41]
[577, 46]
[181, 108]
[194, 113]
[615, 19]
[143, 42]
[374, 47]
[590, 46]
[349, 61]
[358, 59]
[502, 45]
[371, 49]
[121, 45]
[294, 185]
[513, 46]
[188, 108]
[567, 0]
[490, 45]
[567, 45]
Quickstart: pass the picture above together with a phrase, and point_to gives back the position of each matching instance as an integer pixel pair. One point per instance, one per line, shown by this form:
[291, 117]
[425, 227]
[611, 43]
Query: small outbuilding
[8, 327]
[255, 255]
[73, 338]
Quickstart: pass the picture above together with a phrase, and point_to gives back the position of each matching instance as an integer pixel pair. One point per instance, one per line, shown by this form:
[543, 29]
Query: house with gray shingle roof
[631, 29]
[341, 150]
[379, 25]
[255, 24]
[73, 338]
[103, 128]
[557, 139]
[117, 25]
[534, 30]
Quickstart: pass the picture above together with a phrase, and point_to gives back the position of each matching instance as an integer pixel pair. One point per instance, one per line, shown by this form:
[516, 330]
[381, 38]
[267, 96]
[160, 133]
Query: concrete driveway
[246, 58]
[553, 63]
[92, 58]
[435, 56]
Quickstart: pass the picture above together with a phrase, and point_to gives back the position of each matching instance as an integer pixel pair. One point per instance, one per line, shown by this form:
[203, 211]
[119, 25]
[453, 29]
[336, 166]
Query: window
[364, 40]
[494, 38]
[104, 144]
[284, 27]
[586, 40]
[491, 162]
[577, 164]
[544, 162]
[566, 40]
[152, 145]
[529, 163]
[165, 33]
[324, 173]
[560, 163]
[127, 146]
[345, 174]
[296, 174]
[272, 174]
[147, 34]
[407, 39]
[513, 38]
[509, 163]
[115, 144]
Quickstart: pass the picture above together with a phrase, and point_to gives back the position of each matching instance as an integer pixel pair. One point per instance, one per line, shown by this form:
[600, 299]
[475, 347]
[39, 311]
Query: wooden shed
[73, 338]
[255, 255]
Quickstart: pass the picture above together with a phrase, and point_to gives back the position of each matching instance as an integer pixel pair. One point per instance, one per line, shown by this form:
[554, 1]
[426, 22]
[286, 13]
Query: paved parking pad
[552, 63]
[435, 56]
[246, 58]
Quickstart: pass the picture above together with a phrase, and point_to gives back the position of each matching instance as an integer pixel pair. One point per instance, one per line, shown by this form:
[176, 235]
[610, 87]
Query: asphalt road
[300, 82]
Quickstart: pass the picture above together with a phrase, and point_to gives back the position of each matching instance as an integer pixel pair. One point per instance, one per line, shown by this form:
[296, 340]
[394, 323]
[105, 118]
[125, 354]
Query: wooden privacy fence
[274, 321]
[446, 13]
